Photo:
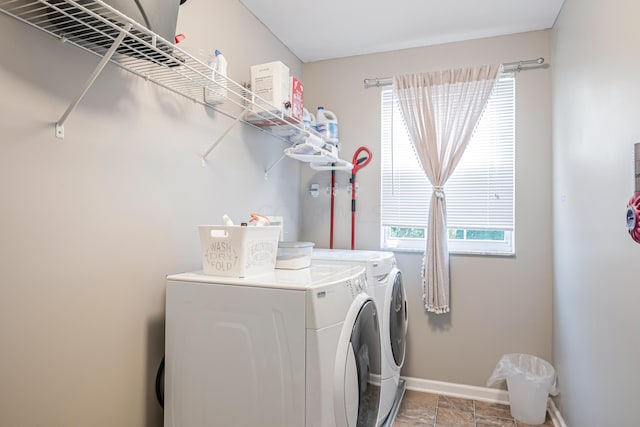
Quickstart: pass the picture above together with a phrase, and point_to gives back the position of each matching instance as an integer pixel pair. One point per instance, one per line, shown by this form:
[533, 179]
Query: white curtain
[441, 110]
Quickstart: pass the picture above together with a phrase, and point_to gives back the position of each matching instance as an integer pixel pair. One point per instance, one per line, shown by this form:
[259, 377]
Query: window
[479, 194]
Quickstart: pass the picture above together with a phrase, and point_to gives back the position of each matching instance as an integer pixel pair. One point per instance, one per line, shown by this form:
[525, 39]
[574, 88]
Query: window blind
[479, 194]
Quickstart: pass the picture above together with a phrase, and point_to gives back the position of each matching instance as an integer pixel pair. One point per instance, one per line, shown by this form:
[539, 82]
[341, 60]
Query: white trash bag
[530, 380]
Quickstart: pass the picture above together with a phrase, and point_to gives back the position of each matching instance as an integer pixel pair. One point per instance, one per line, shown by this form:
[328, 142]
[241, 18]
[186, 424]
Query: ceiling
[329, 29]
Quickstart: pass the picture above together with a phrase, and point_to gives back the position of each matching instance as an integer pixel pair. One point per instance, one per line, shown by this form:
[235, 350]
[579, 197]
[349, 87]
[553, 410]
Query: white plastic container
[294, 255]
[238, 251]
[217, 91]
[327, 125]
[312, 121]
[272, 84]
[306, 118]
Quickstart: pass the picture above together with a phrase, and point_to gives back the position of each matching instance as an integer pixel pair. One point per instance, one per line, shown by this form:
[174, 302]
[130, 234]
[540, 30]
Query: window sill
[421, 251]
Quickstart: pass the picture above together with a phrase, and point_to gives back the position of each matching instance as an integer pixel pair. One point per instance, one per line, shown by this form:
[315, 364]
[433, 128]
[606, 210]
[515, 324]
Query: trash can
[530, 380]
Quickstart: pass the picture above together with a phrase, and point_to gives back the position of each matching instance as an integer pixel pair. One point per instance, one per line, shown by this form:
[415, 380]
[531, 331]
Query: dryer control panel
[328, 305]
[357, 285]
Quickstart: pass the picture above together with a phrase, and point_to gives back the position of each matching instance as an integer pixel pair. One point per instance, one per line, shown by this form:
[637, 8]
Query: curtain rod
[508, 67]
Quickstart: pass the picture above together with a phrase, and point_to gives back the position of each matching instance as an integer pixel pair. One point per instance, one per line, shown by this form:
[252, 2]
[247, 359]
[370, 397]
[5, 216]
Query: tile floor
[424, 409]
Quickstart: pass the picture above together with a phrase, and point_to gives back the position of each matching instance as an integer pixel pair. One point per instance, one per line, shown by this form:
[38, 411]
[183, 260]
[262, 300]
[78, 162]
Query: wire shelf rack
[98, 28]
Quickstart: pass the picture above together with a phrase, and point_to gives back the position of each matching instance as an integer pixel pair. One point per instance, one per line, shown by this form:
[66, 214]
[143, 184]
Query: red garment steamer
[333, 196]
[358, 163]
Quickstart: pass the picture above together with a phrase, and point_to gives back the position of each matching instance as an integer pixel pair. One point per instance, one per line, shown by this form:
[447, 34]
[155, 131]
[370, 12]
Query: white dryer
[288, 348]
[385, 284]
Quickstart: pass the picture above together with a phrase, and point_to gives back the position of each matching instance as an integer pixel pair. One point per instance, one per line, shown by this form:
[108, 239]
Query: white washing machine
[288, 348]
[385, 284]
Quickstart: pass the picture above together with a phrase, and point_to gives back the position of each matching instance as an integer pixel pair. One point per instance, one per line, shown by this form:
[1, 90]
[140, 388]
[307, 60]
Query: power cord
[160, 384]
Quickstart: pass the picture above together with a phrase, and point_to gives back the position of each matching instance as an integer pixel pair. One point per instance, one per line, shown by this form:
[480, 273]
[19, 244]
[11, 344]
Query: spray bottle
[260, 220]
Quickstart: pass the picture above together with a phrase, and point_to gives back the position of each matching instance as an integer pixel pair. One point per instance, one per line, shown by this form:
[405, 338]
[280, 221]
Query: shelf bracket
[338, 165]
[267, 170]
[107, 56]
[221, 137]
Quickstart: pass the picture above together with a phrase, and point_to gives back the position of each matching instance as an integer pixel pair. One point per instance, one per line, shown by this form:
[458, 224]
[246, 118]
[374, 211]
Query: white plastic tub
[238, 251]
[294, 255]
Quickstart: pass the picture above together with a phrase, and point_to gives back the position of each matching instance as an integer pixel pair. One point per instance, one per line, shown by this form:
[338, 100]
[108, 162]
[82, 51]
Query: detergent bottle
[312, 121]
[327, 125]
[217, 91]
[306, 118]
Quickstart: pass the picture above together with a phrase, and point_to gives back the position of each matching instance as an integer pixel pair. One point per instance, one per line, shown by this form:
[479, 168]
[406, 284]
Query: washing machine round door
[358, 367]
[398, 319]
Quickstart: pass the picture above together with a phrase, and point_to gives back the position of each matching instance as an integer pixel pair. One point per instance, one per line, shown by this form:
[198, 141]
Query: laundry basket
[530, 380]
[238, 251]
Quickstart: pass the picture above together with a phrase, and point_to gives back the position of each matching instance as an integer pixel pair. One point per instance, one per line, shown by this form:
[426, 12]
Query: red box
[297, 98]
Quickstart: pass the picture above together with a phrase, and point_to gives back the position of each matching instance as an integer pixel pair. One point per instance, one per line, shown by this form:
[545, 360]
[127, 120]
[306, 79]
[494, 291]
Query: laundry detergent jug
[327, 125]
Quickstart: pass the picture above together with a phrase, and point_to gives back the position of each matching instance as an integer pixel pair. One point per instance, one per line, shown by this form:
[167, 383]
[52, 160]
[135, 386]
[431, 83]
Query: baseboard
[483, 394]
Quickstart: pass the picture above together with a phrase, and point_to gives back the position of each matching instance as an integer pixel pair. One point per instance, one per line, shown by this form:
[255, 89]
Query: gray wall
[499, 304]
[92, 224]
[596, 100]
